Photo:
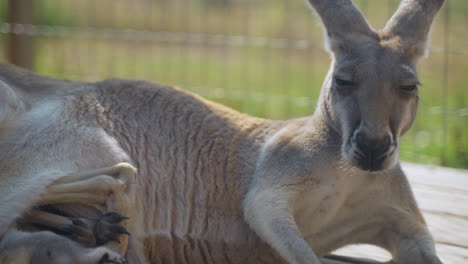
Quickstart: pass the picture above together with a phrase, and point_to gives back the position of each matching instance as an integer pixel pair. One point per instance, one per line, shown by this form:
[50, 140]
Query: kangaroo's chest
[318, 206]
[336, 212]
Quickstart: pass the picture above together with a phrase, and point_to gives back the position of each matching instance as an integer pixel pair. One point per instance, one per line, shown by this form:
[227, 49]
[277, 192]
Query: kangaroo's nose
[372, 150]
[369, 144]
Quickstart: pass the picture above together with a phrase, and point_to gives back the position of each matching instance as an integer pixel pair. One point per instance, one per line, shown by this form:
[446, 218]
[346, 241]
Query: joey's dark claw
[90, 231]
[106, 228]
[112, 237]
[119, 229]
[78, 222]
[113, 217]
[67, 229]
[77, 231]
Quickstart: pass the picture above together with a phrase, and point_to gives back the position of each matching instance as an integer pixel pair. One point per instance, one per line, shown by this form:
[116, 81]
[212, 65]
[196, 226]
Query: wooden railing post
[20, 47]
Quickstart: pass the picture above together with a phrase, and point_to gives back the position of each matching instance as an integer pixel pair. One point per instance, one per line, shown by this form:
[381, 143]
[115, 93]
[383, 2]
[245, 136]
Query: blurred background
[262, 57]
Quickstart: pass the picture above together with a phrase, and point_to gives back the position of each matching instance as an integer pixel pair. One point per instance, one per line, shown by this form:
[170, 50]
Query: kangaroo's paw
[88, 207]
[95, 231]
[71, 227]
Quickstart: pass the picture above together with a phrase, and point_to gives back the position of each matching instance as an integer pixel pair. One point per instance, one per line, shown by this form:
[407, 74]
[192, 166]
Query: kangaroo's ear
[408, 29]
[345, 25]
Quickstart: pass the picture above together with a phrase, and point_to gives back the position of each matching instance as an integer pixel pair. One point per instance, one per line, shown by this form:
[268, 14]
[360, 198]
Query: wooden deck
[442, 194]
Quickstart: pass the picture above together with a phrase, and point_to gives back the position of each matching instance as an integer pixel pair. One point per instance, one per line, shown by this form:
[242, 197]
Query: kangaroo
[202, 183]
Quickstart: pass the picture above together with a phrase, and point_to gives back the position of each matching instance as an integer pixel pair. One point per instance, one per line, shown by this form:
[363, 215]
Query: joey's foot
[90, 231]
[97, 231]
[107, 228]
[78, 230]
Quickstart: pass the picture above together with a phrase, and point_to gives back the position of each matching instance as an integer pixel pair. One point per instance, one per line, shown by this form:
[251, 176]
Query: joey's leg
[92, 232]
[108, 190]
[92, 187]
[268, 212]
[59, 224]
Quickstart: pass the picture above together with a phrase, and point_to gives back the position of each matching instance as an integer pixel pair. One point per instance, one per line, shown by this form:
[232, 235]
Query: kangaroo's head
[370, 94]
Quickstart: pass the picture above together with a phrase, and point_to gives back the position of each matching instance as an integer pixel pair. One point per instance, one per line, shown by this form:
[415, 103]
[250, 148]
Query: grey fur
[218, 186]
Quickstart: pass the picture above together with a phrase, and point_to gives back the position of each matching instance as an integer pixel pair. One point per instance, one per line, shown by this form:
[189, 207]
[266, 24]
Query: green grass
[267, 82]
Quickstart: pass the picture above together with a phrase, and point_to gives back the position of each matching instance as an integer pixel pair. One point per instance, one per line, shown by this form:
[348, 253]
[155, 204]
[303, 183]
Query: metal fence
[263, 57]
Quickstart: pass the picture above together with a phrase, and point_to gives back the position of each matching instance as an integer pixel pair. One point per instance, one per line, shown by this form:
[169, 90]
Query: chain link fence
[263, 57]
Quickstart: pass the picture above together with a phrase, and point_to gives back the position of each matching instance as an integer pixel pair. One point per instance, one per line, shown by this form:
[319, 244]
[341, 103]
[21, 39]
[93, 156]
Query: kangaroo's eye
[408, 88]
[342, 82]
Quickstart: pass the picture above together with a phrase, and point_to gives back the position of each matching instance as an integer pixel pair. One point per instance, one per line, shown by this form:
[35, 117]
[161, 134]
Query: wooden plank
[448, 229]
[437, 176]
[442, 201]
[452, 255]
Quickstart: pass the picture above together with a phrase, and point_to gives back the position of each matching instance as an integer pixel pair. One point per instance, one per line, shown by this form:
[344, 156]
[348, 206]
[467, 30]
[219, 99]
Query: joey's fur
[218, 186]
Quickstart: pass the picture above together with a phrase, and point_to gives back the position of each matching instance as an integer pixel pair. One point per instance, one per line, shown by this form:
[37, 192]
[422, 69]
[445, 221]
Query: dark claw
[77, 233]
[68, 229]
[89, 231]
[78, 222]
[107, 229]
[113, 237]
[119, 229]
[113, 217]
